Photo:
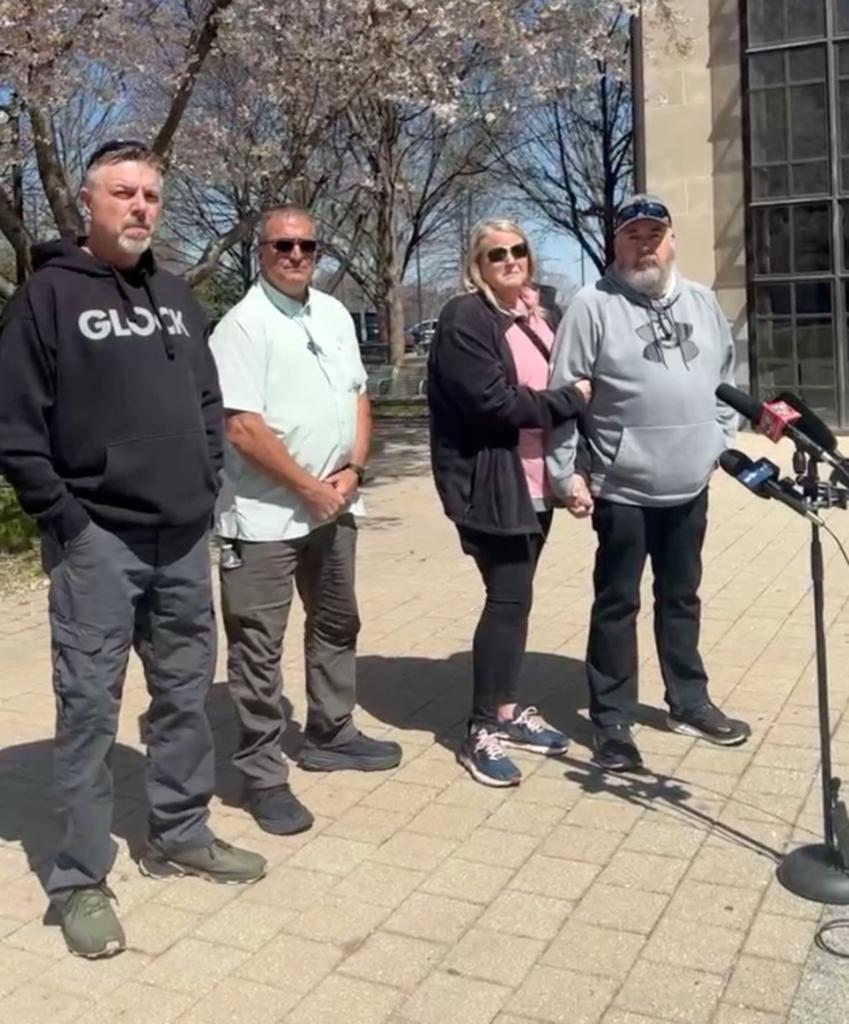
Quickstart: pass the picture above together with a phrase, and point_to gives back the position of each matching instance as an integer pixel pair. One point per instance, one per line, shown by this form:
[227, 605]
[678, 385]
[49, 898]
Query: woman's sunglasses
[500, 253]
[286, 246]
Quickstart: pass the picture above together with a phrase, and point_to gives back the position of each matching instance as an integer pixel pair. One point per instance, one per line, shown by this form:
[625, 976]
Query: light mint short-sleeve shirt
[299, 367]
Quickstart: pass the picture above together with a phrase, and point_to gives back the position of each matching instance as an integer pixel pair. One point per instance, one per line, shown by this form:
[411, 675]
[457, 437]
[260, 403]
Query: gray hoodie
[654, 428]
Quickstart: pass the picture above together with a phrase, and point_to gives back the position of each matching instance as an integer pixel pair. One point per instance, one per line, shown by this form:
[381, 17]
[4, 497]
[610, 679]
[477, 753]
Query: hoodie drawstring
[664, 327]
[167, 340]
[126, 298]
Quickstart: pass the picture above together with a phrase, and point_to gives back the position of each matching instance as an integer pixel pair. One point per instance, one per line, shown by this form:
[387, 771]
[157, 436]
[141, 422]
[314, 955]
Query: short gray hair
[118, 152]
[286, 209]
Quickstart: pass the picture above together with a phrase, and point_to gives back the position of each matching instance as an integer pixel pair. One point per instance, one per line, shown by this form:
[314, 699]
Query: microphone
[761, 478]
[780, 419]
[810, 423]
[775, 418]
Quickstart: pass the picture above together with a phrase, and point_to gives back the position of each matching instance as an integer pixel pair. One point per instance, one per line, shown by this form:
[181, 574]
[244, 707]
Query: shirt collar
[289, 307]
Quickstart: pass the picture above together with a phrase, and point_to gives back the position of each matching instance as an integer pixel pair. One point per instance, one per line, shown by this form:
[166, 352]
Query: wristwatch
[359, 470]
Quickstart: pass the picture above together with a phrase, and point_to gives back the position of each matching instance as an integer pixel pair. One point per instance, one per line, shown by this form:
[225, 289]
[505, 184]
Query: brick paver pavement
[421, 897]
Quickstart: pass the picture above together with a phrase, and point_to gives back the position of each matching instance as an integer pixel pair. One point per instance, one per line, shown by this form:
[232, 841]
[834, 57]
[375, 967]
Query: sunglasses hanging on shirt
[500, 253]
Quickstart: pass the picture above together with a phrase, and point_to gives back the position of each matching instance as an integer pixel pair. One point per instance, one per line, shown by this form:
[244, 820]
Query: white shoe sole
[690, 730]
[174, 870]
[534, 749]
[110, 949]
[486, 780]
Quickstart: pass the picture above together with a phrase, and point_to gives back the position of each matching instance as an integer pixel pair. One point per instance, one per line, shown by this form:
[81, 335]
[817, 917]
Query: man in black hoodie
[110, 433]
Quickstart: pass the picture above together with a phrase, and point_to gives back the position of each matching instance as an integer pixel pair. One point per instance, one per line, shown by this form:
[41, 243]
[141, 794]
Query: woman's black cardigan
[477, 408]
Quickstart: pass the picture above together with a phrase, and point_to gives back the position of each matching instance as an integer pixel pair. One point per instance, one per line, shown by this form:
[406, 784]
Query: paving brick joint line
[421, 897]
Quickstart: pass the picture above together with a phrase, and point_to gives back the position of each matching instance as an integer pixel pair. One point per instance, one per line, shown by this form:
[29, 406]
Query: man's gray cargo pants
[149, 589]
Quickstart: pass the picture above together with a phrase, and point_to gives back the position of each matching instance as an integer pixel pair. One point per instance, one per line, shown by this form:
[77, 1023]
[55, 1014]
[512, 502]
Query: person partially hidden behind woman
[489, 411]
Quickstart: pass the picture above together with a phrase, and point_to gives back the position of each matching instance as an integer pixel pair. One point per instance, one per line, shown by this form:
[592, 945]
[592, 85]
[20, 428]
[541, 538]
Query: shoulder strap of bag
[543, 349]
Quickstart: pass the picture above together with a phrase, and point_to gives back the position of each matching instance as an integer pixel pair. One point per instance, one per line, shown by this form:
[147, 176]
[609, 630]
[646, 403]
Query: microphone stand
[820, 871]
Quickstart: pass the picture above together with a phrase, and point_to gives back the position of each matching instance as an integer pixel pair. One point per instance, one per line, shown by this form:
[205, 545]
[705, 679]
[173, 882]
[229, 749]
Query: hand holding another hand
[325, 501]
[585, 388]
[579, 500]
[346, 482]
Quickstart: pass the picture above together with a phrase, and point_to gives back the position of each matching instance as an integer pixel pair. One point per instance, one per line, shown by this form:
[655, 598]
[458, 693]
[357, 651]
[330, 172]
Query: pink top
[532, 371]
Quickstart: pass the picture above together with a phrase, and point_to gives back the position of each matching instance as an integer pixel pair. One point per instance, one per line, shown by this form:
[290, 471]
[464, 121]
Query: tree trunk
[63, 206]
[389, 284]
[389, 264]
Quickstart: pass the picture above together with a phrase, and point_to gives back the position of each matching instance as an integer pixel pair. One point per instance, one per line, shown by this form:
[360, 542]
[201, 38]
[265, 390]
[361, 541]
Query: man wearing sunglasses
[655, 347]
[298, 428]
[110, 432]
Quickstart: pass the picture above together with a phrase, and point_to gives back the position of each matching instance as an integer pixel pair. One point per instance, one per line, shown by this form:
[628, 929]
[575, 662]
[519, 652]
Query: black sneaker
[709, 723]
[278, 810]
[615, 750]
[359, 754]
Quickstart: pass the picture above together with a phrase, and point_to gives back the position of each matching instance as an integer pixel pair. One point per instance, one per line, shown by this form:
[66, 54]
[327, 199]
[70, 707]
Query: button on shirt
[298, 366]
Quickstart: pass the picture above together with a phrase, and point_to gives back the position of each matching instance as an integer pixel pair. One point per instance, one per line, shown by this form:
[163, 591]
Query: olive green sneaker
[219, 862]
[89, 924]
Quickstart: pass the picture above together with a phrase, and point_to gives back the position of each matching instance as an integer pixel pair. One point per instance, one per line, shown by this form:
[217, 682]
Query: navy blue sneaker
[483, 757]
[530, 731]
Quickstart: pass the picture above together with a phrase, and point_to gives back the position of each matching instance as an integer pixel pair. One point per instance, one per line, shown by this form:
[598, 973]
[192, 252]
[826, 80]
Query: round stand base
[813, 873]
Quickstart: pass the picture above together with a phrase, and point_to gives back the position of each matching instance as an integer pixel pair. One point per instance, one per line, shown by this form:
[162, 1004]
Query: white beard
[651, 281]
[133, 246]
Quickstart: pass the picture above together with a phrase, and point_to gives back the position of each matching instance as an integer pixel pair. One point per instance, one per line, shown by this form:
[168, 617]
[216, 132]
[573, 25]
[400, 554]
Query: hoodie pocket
[167, 478]
[667, 461]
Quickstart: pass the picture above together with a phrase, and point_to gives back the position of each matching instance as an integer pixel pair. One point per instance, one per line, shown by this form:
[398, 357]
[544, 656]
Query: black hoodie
[109, 400]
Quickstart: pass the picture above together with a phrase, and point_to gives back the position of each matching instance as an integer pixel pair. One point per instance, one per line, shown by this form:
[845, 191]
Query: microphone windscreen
[733, 461]
[810, 423]
[748, 407]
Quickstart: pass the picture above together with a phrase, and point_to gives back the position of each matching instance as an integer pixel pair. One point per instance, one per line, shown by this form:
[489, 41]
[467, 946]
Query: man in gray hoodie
[655, 347]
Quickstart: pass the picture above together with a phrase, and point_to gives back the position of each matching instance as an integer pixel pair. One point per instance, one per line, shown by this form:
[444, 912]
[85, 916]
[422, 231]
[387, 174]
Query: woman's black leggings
[507, 565]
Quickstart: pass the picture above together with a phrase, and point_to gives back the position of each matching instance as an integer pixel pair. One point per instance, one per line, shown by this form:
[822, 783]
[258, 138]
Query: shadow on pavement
[435, 694]
[664, 794]
[26, 801]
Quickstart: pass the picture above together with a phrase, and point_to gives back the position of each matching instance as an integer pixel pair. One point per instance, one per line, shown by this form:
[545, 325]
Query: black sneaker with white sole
[614, 749]
[711, 724]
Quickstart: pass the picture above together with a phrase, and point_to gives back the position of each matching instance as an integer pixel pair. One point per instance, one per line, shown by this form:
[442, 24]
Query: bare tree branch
[212, 253]
[52, 174]
[201, 42]
[14, 230]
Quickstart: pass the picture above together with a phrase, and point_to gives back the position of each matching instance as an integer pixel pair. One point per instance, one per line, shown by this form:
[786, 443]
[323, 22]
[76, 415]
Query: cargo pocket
[82, 692]
[79, 637]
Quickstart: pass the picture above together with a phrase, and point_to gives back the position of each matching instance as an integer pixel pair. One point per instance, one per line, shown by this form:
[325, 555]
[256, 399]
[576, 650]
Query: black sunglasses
[115, 146]
[499, 254]
[286, 246]
[655, 211]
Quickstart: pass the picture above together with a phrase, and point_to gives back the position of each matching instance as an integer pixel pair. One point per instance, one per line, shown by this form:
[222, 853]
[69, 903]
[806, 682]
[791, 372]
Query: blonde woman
[489, 409]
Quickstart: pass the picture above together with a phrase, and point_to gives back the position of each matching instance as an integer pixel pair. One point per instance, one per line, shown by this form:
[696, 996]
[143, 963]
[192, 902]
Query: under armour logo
[658, 336]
